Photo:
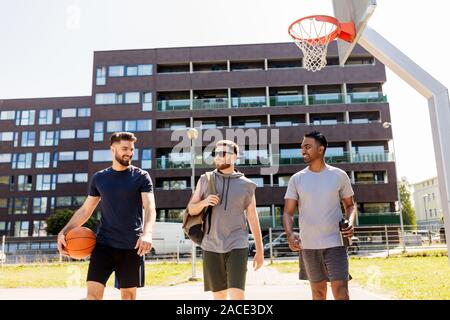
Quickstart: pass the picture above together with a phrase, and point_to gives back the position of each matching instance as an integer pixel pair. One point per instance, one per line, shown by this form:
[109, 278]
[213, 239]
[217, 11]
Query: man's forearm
[196, 208]
[288, 223]
[149, 220]
[350, 212]
[78, 219]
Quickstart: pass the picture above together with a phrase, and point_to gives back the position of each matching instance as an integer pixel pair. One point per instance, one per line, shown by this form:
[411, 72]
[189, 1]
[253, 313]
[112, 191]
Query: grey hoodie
[228, 228]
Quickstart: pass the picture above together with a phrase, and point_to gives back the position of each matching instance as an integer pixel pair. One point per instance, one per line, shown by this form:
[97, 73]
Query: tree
[408, 212]
[57, 221]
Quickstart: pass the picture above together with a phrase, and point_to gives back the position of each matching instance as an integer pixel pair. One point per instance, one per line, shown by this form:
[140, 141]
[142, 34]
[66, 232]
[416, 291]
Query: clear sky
[47, 47]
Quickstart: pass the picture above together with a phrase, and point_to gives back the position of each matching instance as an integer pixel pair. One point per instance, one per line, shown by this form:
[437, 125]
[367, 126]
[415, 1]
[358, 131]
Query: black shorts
[127, 264]
[225, 270]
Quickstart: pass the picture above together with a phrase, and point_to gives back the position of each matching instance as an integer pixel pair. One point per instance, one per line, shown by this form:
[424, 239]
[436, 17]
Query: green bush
[57, 221]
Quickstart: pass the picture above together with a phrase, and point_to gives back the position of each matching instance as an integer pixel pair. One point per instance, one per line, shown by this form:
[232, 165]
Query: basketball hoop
[312, 34]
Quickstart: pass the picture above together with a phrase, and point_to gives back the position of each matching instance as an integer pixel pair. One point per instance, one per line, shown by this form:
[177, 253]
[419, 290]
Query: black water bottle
[343, 224]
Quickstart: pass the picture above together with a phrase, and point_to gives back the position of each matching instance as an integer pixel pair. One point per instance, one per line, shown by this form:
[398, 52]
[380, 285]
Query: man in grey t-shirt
[317, 191]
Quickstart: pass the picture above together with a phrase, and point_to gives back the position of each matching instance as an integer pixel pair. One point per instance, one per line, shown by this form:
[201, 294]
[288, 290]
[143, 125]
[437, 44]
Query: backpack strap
[211, 190]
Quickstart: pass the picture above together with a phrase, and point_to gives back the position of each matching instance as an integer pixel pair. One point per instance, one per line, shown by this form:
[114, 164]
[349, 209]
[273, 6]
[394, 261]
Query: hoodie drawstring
[226, 194]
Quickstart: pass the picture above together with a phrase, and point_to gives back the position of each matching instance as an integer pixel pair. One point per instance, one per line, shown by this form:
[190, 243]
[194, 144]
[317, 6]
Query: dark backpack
[193, 226]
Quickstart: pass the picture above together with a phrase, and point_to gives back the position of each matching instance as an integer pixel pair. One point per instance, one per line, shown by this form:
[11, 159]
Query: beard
[223, 166]
[122, 161]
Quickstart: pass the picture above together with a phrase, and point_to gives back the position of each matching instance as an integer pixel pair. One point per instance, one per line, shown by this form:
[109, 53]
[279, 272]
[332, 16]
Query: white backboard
[358, 11]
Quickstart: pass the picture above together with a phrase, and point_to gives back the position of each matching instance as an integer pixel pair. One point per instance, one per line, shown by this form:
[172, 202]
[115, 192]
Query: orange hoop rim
[323, 18]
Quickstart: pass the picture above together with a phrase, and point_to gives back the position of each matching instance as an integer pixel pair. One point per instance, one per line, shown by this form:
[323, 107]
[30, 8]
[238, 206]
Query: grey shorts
[225, 270]
[317, 265]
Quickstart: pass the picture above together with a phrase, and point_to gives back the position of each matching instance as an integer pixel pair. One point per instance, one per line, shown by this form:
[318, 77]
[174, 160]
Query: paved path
[264, 284]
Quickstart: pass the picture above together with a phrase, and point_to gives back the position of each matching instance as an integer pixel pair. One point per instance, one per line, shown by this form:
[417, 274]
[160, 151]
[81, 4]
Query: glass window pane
[145, 69]
[82, 155]
[116, 71]
[144, 125]
[82, 133]
[132, 97]
[114, 126]
[69, 113]
[130, 125]
[105, 98]
[132, 71]
[101, 156]
[67, 134]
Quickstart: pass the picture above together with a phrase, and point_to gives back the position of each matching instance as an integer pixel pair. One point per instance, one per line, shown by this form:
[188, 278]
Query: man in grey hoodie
[225, 243]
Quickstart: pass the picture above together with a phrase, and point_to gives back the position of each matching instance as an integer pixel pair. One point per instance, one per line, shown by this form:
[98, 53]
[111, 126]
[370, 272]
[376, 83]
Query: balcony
[326, 98]
[212, 103]
[366, 97]
[339, 158]
[287, 100]
[173, 105]
[248, 102]
[372, 157]
[379, 218]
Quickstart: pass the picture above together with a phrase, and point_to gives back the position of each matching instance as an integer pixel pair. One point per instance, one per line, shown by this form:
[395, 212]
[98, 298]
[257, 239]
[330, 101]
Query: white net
[312, 37]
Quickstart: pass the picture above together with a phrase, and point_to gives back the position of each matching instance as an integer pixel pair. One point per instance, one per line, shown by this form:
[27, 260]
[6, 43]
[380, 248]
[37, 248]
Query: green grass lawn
[74, 274]
[401, 277]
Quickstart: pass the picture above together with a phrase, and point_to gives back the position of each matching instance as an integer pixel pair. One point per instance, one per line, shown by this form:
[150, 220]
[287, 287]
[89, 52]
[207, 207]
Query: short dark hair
[319, 137]
[228, 144]
[119, 136]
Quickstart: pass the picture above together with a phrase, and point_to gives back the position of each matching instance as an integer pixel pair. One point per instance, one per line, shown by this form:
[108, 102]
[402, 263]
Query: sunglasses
[219, 153]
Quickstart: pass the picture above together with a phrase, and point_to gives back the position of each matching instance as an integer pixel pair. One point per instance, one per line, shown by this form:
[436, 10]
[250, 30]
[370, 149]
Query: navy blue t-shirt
[121, 222]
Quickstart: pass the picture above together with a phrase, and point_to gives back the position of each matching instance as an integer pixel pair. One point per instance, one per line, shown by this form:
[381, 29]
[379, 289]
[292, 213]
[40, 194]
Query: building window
[82, 133]
[98, 131]
[80, 177]
[78, 200]
[67, 134]
[63, 201]
[84, 112]
[6, 136]
[147, 104]
[145, 70]
[43, 160]
[101, 76]
[146, 162]
[114, 126]
[82, 155]
[55, 159]
[102, 156]
[22, 161]
[3, 203]
[40, 205]
[116, 71]
[374, 207]
[65, 178]
[131, 71]
[48, 138]
[132, 97]
[105, 98]
[144, 125]
[25, 183]
[39, 228]
[283, 181]
[21, 229]
[7, 115]
[66, 156]
[19, 206]
[28, 139]
[25, 117]
[5, 157]
[69, 113]
[170, 215]
[45, 182]
[46, 116]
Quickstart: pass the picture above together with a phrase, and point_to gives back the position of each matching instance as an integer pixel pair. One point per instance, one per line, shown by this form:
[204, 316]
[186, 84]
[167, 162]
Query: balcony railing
[379, 218]
[248, 102]
[366, 97]
[213, 103]
[261, 101]
[288, 100]
[326, 98]
[345, 157]
[171, 105]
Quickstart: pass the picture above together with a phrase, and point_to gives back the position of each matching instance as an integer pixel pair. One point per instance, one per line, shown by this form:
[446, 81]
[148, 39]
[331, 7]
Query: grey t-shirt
[319, 197]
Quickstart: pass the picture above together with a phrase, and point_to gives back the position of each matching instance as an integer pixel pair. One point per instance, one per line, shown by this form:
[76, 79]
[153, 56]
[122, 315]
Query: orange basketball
[80, 242]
